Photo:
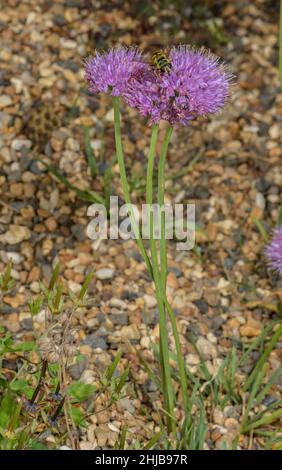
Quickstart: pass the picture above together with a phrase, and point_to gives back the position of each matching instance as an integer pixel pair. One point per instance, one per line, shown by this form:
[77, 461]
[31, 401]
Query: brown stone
[34, 274]
[172, 280]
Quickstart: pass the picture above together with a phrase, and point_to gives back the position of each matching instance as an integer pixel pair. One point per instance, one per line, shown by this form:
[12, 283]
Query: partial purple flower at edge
[111, 71]
[274, 251]
[197, 85]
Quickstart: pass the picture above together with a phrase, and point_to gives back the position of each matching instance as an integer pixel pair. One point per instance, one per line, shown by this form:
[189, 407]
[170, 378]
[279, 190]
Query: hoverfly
[161, 62]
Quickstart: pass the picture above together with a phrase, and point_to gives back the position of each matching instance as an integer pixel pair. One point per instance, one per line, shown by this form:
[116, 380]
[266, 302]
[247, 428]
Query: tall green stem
[164, 351]
[124, 182]
[159, 278]
[280, 44]
[163, 269]
[161, 189]
[180, 360]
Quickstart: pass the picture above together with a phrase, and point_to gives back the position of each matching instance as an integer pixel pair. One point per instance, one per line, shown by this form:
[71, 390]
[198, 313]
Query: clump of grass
[40, 399]
[98, 167]
[254, 397]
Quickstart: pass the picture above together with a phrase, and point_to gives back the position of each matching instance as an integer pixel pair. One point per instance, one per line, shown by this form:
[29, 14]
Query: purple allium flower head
[112, 70]
[195, 86]
[274, 250]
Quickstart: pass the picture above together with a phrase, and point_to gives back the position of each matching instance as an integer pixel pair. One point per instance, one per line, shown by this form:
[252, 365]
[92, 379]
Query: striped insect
[161, 62]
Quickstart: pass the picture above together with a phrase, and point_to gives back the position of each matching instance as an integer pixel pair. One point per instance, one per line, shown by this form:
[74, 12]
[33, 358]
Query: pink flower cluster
[196, 85]
[274, 251]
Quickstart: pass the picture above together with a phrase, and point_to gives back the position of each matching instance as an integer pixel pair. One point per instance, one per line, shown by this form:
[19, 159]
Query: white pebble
[104, 273]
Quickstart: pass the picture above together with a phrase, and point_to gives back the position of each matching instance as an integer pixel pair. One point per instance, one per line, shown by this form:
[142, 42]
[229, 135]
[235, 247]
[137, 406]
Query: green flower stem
[124, 183]
[164, 351]
[152, 266]
[280, 44]
[180, 359]
[161, 189]
[163, 270]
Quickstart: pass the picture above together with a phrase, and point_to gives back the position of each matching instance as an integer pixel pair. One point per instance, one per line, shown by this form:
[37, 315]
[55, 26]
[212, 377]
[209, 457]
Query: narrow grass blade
[153, 440]
[251, 399]
[121, 444]
[267, 410]
[86, 195]
[7, 274]
[261, 229]
[89, 152]
[54, 277]
[271, 381]
[279, 218]
[58, 300]
[259, 341]
[204, 368]
[85, 285]
[149, 371]
[108, 177]
[122, 381]
[186, 169]
[263, 357]
[268, 419]
[111, 370]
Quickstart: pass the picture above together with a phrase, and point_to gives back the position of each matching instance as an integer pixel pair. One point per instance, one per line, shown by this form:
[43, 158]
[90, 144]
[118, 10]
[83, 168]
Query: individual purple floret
[274, 251]
[197, 84]
[111, 71]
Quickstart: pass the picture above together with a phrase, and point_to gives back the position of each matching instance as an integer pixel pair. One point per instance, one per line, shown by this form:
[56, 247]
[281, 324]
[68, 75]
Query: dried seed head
[70, 350]
[44, 344]
[57, 338]
[53, 356]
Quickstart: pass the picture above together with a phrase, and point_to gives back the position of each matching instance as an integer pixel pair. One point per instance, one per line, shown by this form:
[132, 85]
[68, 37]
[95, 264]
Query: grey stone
[119, 319]
[202, 305]
[95, 342]
[77, 369]
[78, 232]
[27, 324]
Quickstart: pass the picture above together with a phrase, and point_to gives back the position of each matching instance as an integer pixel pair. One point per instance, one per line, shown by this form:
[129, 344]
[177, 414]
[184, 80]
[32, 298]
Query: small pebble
[104, 274]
